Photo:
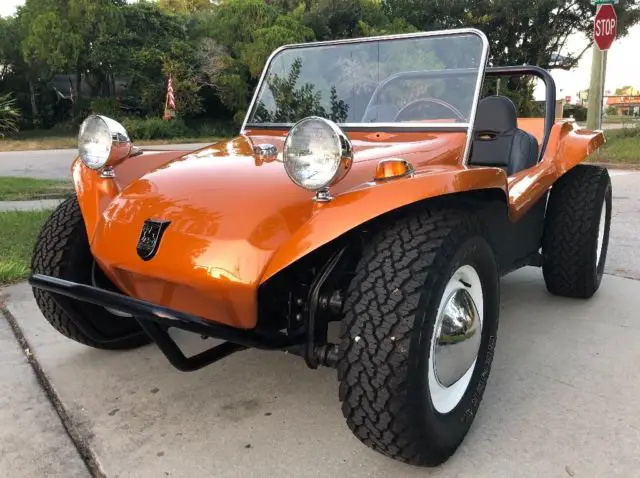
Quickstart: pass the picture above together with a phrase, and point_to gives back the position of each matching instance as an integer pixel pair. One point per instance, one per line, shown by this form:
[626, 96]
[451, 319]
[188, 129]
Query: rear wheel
[418, 336]
[62, 250]
[576, 232]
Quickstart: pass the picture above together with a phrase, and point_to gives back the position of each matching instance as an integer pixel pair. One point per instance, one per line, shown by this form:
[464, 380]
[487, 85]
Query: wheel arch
[354, 212]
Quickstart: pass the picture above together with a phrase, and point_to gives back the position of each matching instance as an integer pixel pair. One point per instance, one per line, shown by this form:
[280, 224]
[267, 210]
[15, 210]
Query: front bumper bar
[156, 320]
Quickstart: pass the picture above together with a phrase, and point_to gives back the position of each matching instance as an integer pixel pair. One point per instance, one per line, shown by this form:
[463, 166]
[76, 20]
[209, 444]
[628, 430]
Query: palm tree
[9, 115]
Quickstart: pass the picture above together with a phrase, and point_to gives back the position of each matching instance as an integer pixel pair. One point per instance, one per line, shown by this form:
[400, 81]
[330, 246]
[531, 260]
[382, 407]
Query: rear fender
[358, 206]
[568, 146]
[574, 146]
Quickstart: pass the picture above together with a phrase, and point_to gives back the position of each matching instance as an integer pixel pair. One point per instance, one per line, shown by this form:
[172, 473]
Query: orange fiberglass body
[237, 219]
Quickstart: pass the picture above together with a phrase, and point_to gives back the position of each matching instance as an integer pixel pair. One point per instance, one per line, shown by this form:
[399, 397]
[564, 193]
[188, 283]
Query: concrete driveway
[562, 398]
[561, 401]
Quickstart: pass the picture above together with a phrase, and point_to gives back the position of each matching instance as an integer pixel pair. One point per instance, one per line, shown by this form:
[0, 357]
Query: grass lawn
[18, 232]
[20, 189]
[621, 147]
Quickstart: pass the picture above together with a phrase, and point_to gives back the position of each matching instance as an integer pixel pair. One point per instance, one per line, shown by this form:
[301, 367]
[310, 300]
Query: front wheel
[62, 250]
[418, 336]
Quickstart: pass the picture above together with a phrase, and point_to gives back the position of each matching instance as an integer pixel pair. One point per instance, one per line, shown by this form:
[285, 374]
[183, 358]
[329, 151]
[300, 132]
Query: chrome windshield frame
[386, 126]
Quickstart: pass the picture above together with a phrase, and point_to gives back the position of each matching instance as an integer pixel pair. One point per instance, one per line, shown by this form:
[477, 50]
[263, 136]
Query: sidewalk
[33, 442]
[29, 205]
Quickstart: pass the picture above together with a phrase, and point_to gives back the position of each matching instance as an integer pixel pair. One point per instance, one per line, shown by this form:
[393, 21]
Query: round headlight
[316, 153]
[102, 139]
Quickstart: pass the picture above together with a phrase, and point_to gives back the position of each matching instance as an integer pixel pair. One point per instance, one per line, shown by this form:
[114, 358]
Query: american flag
[170, 104]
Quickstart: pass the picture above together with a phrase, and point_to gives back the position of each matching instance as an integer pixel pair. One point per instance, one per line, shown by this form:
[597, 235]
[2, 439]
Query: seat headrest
[496, 114]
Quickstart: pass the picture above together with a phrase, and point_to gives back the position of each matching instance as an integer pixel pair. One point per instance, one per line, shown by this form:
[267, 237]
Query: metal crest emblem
[150, 236]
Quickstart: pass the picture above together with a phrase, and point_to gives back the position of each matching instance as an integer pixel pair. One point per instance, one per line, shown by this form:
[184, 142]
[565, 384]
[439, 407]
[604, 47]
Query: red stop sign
[605, 26]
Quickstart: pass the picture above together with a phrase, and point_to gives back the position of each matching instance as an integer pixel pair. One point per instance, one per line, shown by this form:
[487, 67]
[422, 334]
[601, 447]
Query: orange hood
[229, 213]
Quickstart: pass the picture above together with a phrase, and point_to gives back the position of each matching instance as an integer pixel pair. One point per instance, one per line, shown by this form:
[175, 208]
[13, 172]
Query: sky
[622, 65]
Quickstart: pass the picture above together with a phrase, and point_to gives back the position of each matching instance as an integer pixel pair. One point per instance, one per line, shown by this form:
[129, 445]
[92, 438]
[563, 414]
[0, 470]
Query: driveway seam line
[622, 276]
[81, 445]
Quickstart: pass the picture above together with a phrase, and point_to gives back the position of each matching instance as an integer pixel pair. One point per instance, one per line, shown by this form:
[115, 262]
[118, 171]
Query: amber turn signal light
[393, 168]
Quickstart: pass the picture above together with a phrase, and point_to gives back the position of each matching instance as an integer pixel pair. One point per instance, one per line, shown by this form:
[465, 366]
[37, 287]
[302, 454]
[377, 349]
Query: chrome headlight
[316, 153]
[102, 140]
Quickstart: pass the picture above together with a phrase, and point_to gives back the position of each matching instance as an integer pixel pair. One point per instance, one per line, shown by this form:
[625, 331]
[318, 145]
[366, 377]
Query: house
[625, 102]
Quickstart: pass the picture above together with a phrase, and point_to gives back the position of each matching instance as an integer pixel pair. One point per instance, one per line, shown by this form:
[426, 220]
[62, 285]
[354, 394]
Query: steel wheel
[456, 339]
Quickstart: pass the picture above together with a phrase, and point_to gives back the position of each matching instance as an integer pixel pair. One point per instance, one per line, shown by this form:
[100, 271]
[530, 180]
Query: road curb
[616, 165]
[81, 444]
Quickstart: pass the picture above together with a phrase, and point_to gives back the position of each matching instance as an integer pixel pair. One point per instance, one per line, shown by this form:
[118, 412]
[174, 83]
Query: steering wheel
[419, 102]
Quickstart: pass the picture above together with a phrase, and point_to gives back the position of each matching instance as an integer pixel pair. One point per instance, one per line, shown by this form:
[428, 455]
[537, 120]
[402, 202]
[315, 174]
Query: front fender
[357, 206]
[95, 193]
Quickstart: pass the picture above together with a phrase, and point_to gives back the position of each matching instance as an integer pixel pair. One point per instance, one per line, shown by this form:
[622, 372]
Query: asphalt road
[55, 163]
[561, 400]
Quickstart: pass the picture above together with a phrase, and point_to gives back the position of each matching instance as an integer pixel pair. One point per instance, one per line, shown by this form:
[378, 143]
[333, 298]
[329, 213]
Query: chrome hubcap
[457, 344]
[456, 339]
[601, 227]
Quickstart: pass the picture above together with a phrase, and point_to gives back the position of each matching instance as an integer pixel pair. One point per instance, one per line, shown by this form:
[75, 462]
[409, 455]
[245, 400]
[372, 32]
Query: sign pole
[596, 87]
[605, 55]
[604, 33]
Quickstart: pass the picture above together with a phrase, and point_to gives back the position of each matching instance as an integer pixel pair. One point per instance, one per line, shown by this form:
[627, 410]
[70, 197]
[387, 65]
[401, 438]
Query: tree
[21, 68]
[155, 43]
[627, 91]
[286, 29]
[334, 19]
[519, 31]
[184, 6]
[216, 50]
[292, 102]
[246, 32]
[60, 35]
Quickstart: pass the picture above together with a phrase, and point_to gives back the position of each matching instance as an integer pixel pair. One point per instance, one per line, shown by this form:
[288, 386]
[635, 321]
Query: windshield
[425, 80]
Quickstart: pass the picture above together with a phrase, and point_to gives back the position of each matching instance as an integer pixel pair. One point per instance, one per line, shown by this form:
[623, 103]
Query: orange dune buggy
[370, 185]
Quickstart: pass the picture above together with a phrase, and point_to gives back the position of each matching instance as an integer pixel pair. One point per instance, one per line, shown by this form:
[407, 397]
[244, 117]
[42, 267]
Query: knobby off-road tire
[387, 335]
[62, 250]
[576, 232]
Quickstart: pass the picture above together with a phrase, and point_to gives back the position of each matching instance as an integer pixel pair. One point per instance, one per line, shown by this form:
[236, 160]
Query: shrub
[631, 131]
[215, 129]
[155, 128]
[80, 110]
[579, 112]
[611, 111]
[107, 107]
